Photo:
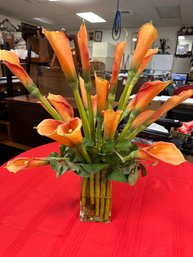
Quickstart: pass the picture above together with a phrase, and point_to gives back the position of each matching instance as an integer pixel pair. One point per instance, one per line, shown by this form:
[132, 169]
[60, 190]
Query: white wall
[180, 65]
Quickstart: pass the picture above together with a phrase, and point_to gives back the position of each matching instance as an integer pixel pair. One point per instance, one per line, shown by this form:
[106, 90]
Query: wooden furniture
[25, 113]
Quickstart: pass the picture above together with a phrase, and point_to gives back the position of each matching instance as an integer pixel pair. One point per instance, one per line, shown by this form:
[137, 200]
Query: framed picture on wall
[98, 36]
[91, 36]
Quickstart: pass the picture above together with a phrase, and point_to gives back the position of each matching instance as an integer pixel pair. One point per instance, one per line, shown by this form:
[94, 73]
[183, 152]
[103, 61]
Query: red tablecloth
[39, 215]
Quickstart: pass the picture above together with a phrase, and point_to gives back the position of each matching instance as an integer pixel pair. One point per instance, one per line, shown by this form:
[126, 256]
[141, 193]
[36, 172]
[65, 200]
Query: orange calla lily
[25, 163]
[146, 36]
[62, 106]
[141, 118]
[120, 47]
[146, 93]
[84, 97]
[94, 104]
[83, 46]
[170, 104]
[101, 92]
[162, 151]
[48, 128]
[67, 133]
[83, 92]
[147, 59]
[61, 46]
[111, 121]
[11, 60]
[71, 131]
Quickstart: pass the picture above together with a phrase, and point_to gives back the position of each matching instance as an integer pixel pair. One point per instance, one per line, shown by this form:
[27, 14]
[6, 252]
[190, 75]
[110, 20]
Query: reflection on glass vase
[95, 200]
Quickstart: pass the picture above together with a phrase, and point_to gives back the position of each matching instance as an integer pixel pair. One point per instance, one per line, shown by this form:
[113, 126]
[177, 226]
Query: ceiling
[62, 12]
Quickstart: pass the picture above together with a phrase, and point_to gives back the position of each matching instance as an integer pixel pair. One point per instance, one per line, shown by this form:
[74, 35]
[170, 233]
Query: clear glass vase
[95, 199]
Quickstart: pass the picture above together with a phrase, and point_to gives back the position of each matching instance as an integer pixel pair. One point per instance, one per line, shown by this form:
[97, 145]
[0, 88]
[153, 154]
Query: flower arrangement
[92, 145]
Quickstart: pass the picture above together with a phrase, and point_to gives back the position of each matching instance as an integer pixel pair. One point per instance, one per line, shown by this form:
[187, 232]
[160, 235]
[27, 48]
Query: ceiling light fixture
[44, 20]
[91, 17]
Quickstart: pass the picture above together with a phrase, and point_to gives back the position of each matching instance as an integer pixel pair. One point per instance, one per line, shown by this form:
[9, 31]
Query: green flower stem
[132, 155]
[49, 108]
[134, 133]
[33, 90]
[123, 95]
[108, 201]
[132, 84]
[84, 191]
[82, 113]
[90, 111]
[97, 193]
[111, 99]
[92, 200]
[127, 126]
[103, 192]
[99, 138]
[91, 179]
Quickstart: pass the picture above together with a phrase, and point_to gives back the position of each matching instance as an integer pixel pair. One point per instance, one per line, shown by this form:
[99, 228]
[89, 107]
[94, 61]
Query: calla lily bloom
[101, 92]
[71, 131]
[141, 118]
[94, 104]
[25, 163]
[120, 47]
[83, 46]
[62, 106]
[84, 97]
[161, 151]
[146, 36]
[48, 128]
[170, 104]
[146, 93]
[111, 122]
[67, 133]
[11, 60]
[147, 59]
[61, 46]
[83, 92]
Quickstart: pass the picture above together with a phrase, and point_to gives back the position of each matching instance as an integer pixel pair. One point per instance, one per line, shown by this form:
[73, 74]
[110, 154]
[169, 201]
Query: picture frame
[98, 36]
[91, 36]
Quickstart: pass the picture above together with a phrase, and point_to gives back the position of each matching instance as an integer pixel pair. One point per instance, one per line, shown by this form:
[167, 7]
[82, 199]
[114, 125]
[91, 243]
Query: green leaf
[54, 154]
[123, 145]
[116, 175]
[133, 177]
[93, 168]
[62, 150]
[108, 147]
[143, 170]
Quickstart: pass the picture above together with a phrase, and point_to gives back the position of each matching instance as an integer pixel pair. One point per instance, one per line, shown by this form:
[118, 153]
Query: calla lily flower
[147, 59]
[62, 106]
[83, 92]
[71, 131]
[170, 104]
[146, 36]
[11, 60]
[84, 97]
[120, 47]
[67, 133]
[161, 151]
[48, 128]
[61, 46]
[25, 163]
[101, 92]
[111, 121]
[83, 46]
[141, 118]
[146, 93]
